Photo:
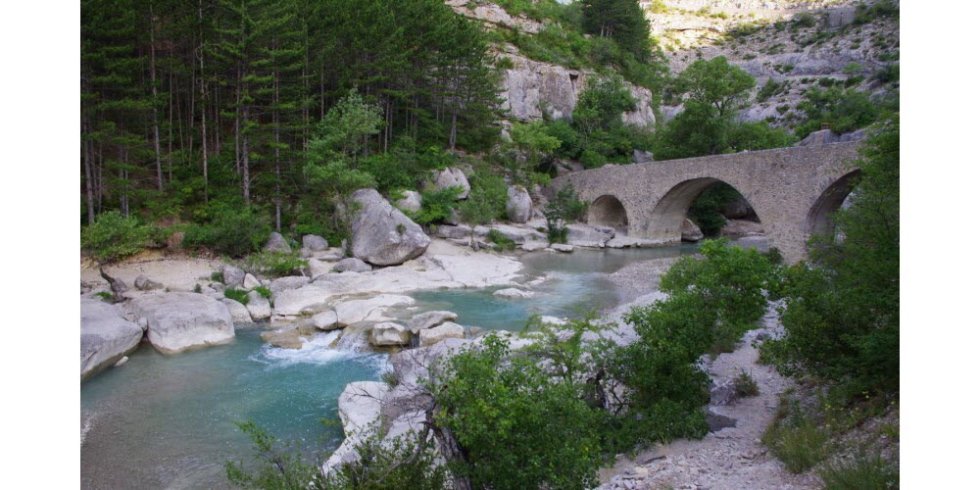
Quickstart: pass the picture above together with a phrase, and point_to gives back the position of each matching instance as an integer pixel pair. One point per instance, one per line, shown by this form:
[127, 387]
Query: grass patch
[264, 292]
[861, 474]
[745, 386]
[239, 295]
[795, 439]
[275, 264]
[501, 240]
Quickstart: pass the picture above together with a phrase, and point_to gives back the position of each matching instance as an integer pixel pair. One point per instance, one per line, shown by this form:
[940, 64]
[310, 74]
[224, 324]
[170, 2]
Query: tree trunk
[245, 178]
[153, 90]
[204, 112]
[87, 162]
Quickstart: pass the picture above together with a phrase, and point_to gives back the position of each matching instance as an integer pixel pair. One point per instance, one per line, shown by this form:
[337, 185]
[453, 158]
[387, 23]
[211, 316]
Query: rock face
[383, 235]
[447, 330]
[370, 309]
[389, 333]
[315, 243]
[690, 231]
[518, 204]
[589, 236]
[180, 321]
[821, 137]
[412, 202]
[277, 243]
[453, 177]
[351, 264]
[533, 89]
[250, 282]
[106, 337]
[326, 320]
[738, 209]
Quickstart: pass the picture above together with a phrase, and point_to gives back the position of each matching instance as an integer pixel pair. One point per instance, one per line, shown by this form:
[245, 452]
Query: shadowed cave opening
[707, 208]
[609, 211]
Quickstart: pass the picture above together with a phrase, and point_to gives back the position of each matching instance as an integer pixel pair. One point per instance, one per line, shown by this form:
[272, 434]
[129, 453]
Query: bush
[114, 237]
[279, 469]
[842, 110]
[565, 207]
[402, 462]
[862, 474]
[239, 295]
[230, 231]
[276, 264]
[517, 427]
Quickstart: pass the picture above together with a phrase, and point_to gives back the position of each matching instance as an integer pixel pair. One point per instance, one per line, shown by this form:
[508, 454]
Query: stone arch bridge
[793, 191]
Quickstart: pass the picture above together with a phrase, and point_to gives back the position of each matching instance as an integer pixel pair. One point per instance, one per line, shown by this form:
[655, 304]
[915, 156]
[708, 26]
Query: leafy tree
[839, 109]
[842, 318]
[532, 143]
[714, 91]
[621, 20]
[477, 209]
[563, 208]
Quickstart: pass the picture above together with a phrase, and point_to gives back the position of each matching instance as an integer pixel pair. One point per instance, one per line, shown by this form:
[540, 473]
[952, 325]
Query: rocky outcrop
[351, 264]
[281, 284]
[106, 336]
[491, 13]
[277, 243]
[452, 177]
[389, 334]
[512, 293]
[383, 235]
[180, 321]
[581, 235]
[519, 204]
[411, 202]
[359, 407]
[533, 90]
[690, 232]
[370, 309]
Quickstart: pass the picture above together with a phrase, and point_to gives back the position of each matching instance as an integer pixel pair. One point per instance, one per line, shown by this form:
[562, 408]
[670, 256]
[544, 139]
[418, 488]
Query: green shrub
[706, 211]
[804, 19]
[500, 240]
[565, 207]
[276, 264]
[861, 474]
[239, 295]
[104, 296]
[842, 110]
[881, 9]
[771, 88]
[382, 464]
[114, 237]
[278, 468]
[230, 231]
[437, 205]
[517, 427]
[888, 74]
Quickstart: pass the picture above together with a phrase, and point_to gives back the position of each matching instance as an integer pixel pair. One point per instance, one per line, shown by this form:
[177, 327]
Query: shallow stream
[169, 421]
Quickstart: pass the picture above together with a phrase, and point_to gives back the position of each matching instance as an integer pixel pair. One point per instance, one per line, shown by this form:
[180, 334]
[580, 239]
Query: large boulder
[360, 404]
[389, 333]
[446, 330]
[370, 309]
[383, 235]
[430, 319]
[258, 306]
[821, 137]
[315, 243]
[411, 202]
[277, 243]
[518, 204]
[239, 313]
[453, 177]
[738, 209]
[737, 228]
[286, 283]
[180, 321]
[106, 336]
[582, 235]
[232, 276]
[690, 231]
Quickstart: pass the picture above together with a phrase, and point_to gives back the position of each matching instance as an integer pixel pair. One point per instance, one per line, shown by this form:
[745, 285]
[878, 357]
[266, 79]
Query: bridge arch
[819, 219]
[667, 218]
[608, 210]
